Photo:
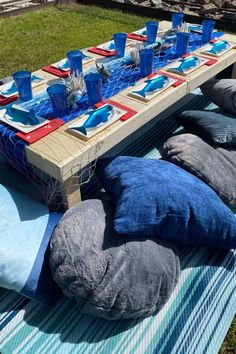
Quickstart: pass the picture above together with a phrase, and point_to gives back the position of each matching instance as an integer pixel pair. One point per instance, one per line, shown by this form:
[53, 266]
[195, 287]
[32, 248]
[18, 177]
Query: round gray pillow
[109, 275]
[222, 92]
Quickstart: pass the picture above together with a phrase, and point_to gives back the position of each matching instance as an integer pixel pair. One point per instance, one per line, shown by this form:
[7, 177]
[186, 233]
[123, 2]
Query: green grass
[229, 345]
[42, 37]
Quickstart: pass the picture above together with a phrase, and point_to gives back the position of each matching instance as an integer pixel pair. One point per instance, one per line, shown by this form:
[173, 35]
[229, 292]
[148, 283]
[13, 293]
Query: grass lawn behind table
[32, 40]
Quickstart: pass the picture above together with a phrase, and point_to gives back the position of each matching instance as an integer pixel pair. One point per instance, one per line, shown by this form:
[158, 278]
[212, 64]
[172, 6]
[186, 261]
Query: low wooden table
[62, 155]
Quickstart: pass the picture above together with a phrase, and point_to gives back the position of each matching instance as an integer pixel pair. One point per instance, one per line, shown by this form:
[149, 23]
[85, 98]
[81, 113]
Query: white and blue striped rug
[194, 320]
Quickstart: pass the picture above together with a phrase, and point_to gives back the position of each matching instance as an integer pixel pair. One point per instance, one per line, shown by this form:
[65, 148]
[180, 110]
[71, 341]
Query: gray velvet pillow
[217, 128]
[110, 276]
[222, 92]
[214, 166]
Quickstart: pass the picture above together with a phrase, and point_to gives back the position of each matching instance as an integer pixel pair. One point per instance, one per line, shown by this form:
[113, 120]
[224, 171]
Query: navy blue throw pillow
[219, 129]
[155, 198]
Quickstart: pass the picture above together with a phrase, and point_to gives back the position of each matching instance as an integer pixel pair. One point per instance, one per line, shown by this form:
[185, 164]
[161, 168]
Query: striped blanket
[194, 320]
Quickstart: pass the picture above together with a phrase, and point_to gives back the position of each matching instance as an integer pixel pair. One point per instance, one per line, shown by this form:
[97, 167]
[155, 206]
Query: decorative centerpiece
[76, 89]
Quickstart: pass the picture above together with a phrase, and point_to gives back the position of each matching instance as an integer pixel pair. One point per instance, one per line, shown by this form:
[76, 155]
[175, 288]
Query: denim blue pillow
[25, 230]
[158, 199]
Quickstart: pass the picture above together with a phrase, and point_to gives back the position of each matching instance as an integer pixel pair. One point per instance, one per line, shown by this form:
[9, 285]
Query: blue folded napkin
[218, 47]
[22, 116]
[107, 46]
[188, 63]
[63, 64]
[95, 117]
[111, 46]
[143, 32]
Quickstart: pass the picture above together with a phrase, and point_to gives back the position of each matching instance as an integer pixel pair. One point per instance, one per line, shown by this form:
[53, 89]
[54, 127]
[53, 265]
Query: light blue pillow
[25, 230]
[155, 198]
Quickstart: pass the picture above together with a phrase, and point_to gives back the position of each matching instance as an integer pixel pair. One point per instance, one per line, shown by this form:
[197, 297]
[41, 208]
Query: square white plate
[150, 95]
[197, 28]
[19, 125]
[108, 46]
[218, 54]
[4, 88]
[143, 31]
[115, 114]
[64, 63]
[174, 66]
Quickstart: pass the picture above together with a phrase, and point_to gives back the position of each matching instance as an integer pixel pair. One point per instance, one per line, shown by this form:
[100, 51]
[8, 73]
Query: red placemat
[102, 52]
[55, 71]
[186, 55]
[6, 100]
[42, 131]
[137, 37]
[210, 61]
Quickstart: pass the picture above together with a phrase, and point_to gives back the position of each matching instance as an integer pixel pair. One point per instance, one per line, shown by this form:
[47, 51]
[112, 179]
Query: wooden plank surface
[61, 154]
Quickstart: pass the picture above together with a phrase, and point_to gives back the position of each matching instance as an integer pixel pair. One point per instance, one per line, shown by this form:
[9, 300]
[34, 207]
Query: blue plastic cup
[93, 84]
[58, 97]
[23, 84]
[182, 39]
[177, 20]
[75, 60]
[207, 29]
[146, 61]
[152, 27]
[120, 42]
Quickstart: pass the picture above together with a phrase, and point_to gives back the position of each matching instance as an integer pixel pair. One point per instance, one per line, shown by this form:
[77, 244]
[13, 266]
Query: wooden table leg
[234, 72]
[70, 192]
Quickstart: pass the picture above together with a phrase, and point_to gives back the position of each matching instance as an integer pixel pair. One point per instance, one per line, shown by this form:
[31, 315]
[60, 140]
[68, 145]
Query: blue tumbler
[93, 84]
[120, 42]
[75, 60]
[177, 20]
[23, 84]
[58, 97]
[152, 27]
[207, 29]
[146, 61]
[182, 39]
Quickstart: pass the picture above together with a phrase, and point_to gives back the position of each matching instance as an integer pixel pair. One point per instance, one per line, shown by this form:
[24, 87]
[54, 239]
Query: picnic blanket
[194, 320]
